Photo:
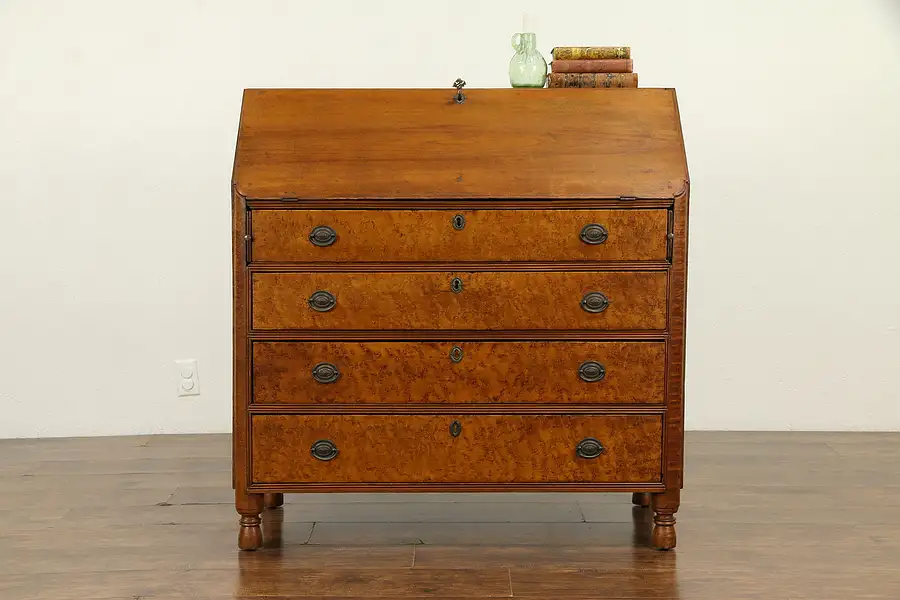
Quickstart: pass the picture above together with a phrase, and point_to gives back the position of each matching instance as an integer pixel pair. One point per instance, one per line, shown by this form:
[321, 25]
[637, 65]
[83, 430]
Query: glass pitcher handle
[516, 41]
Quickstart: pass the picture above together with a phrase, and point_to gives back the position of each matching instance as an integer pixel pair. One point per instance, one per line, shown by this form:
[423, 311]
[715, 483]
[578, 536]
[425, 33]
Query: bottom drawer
[456, 448]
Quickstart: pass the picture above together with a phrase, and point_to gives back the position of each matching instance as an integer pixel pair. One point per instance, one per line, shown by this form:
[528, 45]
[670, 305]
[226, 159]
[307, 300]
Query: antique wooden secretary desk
[459, 290]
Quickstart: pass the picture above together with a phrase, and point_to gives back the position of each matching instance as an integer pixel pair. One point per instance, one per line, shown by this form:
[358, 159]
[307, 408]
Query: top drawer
[463, 235]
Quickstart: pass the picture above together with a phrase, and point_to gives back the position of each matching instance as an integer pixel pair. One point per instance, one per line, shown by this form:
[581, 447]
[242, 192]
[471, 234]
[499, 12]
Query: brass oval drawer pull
[591, 371]
[324, 450]
[322, 301]
[456, 285]
[322, 236]
[456, 354]
[594, 234]
[589, 448]
[594, 302]
[326, 373]
[459, 222]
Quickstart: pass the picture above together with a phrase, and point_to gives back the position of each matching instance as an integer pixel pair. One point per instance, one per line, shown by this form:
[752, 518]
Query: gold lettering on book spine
[592, 80]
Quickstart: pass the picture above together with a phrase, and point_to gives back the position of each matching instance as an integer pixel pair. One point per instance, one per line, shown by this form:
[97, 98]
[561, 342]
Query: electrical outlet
[188, 377]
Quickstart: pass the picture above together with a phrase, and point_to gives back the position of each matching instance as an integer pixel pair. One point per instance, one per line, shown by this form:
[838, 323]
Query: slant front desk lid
[498, 143]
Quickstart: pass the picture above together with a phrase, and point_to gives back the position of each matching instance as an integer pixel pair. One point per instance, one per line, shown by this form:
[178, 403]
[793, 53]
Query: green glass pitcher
[527, 67]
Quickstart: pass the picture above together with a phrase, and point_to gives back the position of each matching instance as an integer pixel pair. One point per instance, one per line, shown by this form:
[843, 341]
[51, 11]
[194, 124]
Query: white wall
[117, 125]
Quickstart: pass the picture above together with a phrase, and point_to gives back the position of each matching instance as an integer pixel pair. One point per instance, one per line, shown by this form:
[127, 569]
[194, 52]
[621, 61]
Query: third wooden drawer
[458, 372]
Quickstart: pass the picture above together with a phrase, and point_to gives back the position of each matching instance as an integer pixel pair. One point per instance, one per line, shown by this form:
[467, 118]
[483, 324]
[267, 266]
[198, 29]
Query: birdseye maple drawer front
[460, 300]
[456, 448]
[458, 235]
[458, 372]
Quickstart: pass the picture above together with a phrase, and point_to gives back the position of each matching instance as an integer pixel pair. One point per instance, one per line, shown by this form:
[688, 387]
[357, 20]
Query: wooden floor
[765, 515]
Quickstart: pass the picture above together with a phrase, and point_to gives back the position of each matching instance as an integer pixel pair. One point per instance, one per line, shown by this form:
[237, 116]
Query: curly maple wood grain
[509, 300]
[429, 235]
[488, 372]
[489, 448]
[241, 391]
[677, 311]
[413, 144]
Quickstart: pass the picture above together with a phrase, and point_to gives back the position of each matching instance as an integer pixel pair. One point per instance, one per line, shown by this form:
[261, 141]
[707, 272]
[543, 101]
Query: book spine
[592, 80]
[590, 52]
[608, 65]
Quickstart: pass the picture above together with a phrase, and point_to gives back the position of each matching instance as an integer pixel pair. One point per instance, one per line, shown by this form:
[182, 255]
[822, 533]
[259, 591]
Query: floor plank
[744, 583]
[215, 554]
[285, 581]
[131, 466]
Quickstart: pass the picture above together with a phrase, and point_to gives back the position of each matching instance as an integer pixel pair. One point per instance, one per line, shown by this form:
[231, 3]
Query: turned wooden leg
[665, 505]
[641, 499]
[273, 500]
[249, 506]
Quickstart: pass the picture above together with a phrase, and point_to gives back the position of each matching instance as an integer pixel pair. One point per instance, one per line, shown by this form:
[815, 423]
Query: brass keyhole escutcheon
[456, 285]
[459, 222]
[455, 428]
[456, 354]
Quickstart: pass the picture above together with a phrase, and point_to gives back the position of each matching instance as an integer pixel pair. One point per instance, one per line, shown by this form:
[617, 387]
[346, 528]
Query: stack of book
[592, 67]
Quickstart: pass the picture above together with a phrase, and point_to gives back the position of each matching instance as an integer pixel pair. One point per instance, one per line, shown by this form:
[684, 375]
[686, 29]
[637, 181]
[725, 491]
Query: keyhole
[456, 285]
[455, 428]
[459, 222]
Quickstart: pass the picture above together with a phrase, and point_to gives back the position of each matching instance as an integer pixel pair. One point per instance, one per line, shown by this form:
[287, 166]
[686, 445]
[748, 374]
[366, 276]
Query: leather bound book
[592, 80]
[590, 52]
[608, 65]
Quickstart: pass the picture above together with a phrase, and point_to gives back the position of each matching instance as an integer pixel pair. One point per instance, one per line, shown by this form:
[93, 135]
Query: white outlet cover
[187, 377]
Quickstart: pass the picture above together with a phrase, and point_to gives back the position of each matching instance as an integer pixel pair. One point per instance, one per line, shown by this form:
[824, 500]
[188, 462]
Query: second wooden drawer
[460, 300]
[462, 372]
